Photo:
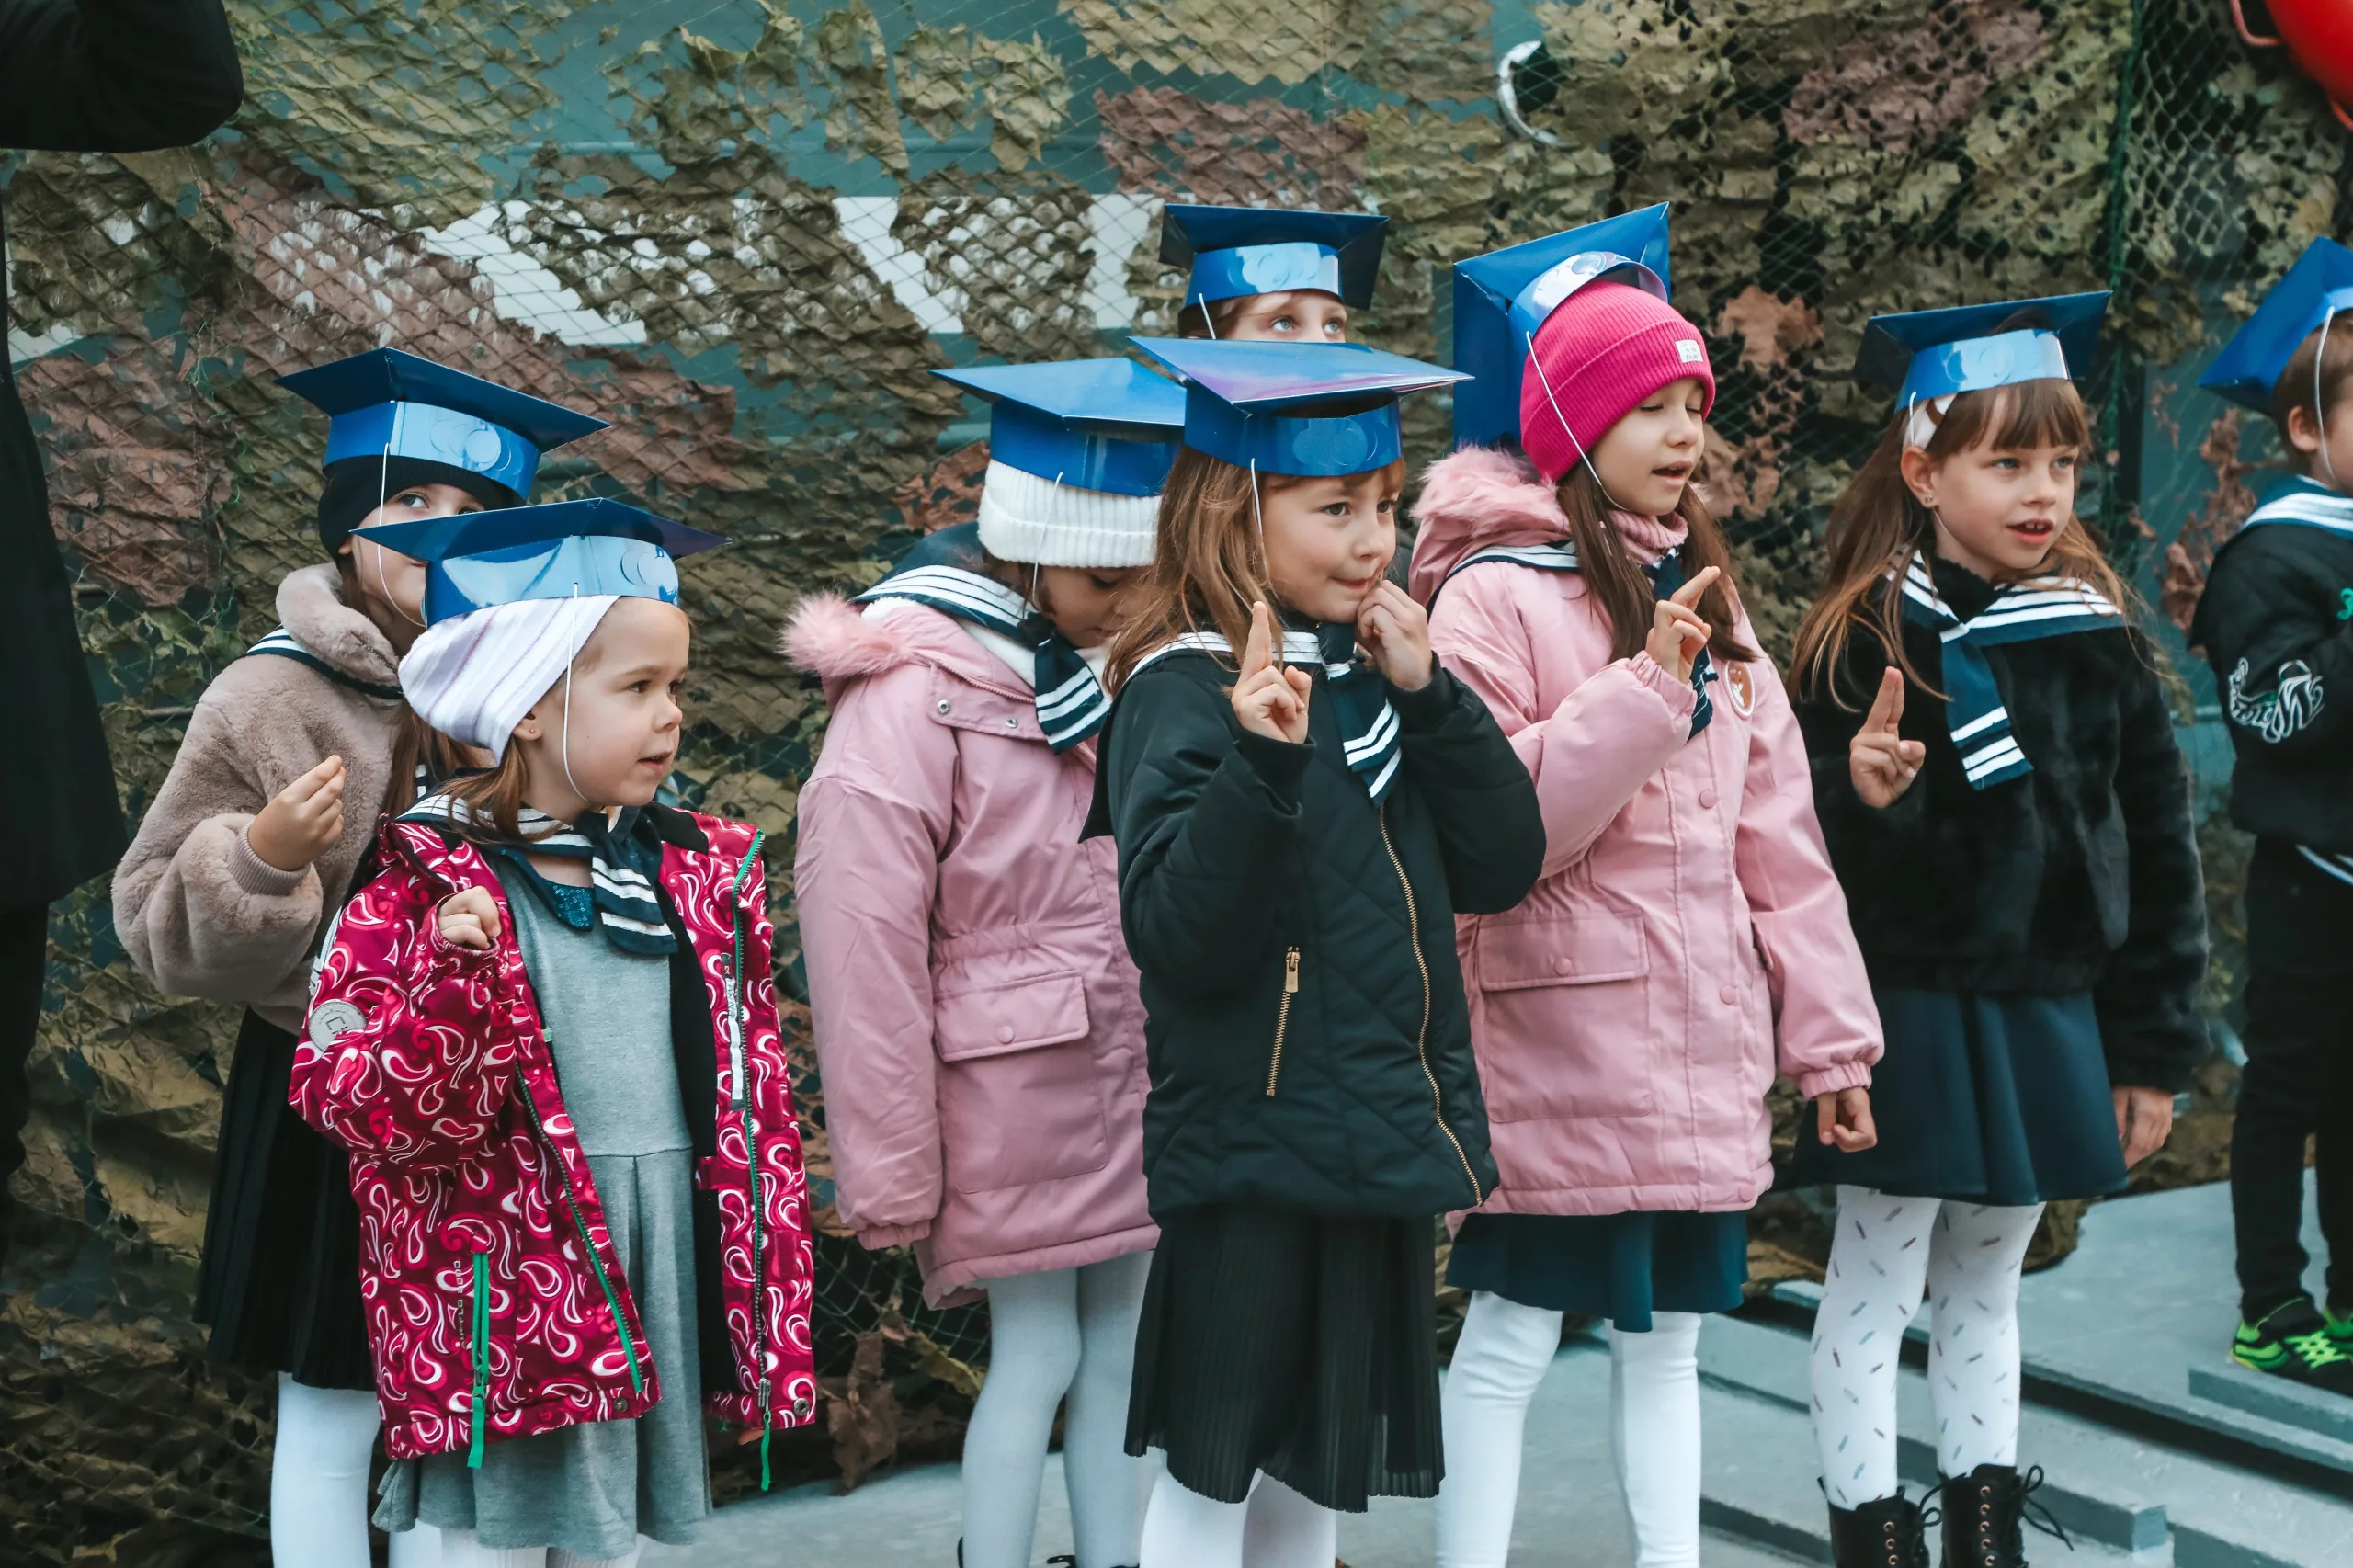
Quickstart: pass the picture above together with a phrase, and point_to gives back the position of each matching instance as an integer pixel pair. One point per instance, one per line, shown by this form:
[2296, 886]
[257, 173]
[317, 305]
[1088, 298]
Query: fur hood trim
[1477, 499]
[838, 642]
[310, 607]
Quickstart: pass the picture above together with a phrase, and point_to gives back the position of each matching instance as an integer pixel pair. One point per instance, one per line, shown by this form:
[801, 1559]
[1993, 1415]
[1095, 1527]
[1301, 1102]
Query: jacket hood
[1477, 499]
[838, 643]
[310, 606]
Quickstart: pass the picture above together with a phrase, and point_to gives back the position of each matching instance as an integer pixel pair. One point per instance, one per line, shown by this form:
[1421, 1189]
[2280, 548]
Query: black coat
[2082, 875]
[2273, 623]
[1249, 865]
[95, 76]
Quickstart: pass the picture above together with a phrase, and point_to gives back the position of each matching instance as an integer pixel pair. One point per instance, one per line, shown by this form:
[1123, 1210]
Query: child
[977, 1021]
[548, 1032]
[1688, 936]
[2273, 623]
[1269, 274]
[1995, 766]
[248, 851]
[1294, 839]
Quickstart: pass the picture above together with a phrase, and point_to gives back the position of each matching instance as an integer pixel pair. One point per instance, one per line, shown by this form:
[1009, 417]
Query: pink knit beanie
[1607, 348]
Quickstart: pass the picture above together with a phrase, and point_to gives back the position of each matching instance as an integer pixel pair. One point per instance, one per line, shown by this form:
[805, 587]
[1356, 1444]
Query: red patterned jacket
[486, 1271]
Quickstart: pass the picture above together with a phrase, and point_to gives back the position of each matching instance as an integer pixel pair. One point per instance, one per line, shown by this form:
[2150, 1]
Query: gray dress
[593, 1489]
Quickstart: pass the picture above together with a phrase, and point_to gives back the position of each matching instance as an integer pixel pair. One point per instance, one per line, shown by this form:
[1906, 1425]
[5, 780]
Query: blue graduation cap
[1299, 408]
[477, 559]
[1502, 298]
[1097, 424]
[388, 403]
[2319, 286]
[1235, 251]
[1927, 354]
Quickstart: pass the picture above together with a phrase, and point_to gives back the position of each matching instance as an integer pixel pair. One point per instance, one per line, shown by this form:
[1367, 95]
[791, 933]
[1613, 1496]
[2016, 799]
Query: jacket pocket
[1022, 1098]
[1566, 1024]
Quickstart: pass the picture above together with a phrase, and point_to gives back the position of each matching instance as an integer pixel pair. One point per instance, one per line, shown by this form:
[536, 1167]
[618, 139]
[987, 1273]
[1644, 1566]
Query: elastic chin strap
[563, 745]
[2320, 414]
[1546, 383]
[1258, 512]
[383, 482]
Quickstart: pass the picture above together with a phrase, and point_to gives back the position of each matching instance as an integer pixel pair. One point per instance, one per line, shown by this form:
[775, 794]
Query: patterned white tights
[1886, 1248]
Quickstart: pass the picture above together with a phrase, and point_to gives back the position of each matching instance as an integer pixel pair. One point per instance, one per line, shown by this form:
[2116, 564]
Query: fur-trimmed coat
[197, 911]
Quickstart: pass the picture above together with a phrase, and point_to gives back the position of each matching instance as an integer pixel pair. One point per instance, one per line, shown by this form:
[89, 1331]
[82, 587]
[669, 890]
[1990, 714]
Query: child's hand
[1882, 763]
[1396, 632]
[2144, 1121]
[1677, 631]
[1267, 699]
[1844, 1118]
[302, 822]
[470, 919]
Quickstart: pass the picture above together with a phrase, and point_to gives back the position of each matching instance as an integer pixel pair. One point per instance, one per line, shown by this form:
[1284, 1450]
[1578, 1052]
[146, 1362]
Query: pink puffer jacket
[977, 1018]
[1689, 938]
[429, 1062]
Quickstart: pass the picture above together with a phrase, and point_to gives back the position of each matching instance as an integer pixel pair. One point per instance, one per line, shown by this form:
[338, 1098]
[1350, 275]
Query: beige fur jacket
[199, 913]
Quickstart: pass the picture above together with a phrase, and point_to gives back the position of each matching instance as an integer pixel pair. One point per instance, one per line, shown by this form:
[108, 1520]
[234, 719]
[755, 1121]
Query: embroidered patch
[1688, 350]
[1743, 688]
[330, 1021]
[2277, 714]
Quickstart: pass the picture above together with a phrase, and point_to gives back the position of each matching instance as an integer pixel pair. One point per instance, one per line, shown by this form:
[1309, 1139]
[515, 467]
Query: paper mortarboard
[477, 559]
[1235, 251]
[1106, 425]
[1930, 354]
[1298, 408]
[2318, 287]
[388, 403]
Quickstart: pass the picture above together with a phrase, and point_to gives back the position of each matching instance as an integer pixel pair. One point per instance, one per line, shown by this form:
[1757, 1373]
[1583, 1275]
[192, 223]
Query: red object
[2319, 33]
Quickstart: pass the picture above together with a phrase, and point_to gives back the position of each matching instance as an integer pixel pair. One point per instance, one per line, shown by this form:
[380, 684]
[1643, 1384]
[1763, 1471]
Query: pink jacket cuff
[257, 876]
[1680, 698]
[1830, 1080]
[874, 1238]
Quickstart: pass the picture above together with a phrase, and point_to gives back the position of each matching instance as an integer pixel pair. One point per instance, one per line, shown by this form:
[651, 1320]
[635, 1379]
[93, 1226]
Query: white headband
[1920, 425]
[473, 676]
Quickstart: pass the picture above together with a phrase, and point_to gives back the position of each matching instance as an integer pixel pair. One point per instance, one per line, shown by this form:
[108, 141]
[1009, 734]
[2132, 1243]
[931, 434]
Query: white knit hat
[1045, 523]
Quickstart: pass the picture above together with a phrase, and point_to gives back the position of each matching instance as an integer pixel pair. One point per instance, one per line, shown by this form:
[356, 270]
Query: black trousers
[2298, 1082]
[24, 962]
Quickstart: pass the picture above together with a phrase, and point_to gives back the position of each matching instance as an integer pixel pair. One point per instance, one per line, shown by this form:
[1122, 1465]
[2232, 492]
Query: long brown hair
[495, 797]
[1617, 581]
[1877, 525]
[413, 741]
[1208, 564]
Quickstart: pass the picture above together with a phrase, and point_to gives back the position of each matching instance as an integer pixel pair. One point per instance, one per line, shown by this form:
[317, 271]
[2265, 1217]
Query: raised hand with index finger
[1882, 763]
[1270, 700]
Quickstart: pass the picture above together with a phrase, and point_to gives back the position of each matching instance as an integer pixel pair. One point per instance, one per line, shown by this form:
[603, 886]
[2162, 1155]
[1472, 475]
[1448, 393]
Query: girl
[1259, 274]
[248, 851]
[1296, 827]
[977, 1021]
[1994, 762]
[548, 1032]
[1688, 938]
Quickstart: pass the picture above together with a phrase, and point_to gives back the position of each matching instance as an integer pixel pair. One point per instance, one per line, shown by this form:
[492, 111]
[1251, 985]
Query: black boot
[1885, 1533]
[1982, 1512]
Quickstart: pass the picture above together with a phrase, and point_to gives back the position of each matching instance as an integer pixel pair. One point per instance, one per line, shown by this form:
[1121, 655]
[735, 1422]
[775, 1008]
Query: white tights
[1275, 1528]
[1504, 1354]
[318, 1479]
[459, 1549]
[1967, 1256]
[1068, 1334]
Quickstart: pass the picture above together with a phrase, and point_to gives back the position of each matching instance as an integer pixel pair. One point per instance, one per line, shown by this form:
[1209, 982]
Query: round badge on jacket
[1743, 688]
[330, 1021]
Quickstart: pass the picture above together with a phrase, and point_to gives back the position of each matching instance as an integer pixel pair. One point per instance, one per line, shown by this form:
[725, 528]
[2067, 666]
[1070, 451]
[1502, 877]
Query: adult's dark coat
[86, 77]
[1309, 1041]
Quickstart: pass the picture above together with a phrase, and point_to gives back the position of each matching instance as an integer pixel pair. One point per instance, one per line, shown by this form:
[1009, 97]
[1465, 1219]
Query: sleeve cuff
[1426, 707]
[2148, 1073]
[257, 876]
[1278, 763]
[1824, 1081]
[875, 1238]
[1681, 697]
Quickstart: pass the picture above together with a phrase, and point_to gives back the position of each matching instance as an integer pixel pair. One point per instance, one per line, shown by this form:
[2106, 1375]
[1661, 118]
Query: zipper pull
[1290, 971]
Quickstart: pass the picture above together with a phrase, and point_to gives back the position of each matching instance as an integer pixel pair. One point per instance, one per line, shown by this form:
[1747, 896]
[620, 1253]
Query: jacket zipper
[589, 1245]
[1421, 1036]
[742, 1098]
[1282, 1017]
[481, 1416]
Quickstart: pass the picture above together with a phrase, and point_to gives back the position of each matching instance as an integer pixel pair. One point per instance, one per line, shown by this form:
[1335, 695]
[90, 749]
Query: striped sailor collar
[2295, 498]
[624, 859]
[2028, 607]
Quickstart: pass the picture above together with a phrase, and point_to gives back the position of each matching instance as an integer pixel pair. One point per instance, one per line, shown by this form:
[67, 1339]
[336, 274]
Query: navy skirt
[1994, 1099]
[1619, 1267]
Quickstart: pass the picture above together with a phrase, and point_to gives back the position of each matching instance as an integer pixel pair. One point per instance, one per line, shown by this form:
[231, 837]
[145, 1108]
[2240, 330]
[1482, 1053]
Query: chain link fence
[744, 232]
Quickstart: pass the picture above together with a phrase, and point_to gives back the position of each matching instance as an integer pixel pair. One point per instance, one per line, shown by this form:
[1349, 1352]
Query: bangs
[2042, 413]
[1392, 479]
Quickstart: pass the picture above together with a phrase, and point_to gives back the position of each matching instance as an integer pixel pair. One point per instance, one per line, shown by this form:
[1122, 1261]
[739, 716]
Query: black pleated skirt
[279, 1280]
[1993, 1098]
[1619, 1267]
[1298, 1345]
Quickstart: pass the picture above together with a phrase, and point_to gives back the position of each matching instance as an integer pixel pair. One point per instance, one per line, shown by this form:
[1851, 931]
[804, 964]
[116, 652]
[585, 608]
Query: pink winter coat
[978, 1024]
[487, 1268]
[1689, 938]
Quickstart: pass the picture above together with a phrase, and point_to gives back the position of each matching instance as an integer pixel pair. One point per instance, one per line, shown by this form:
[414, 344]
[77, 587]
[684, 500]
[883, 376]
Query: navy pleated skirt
[1619, 1267]
[1994, 1099]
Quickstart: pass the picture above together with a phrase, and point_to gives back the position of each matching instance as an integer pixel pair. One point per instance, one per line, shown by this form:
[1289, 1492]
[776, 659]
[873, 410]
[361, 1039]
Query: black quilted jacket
[1309, 1041]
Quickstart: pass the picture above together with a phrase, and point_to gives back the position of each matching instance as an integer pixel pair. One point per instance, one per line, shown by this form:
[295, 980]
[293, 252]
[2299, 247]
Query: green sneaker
[2340, 1323]
[2294, 1341]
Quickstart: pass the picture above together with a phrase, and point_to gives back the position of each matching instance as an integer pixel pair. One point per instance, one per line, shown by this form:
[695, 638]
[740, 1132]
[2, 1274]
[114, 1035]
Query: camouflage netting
[745, 240]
